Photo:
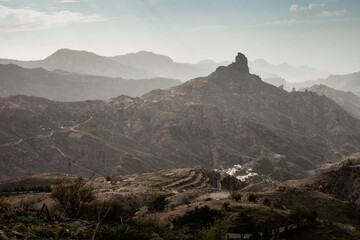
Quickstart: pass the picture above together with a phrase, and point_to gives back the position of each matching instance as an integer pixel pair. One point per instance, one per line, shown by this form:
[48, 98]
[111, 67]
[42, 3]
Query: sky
[320, 33]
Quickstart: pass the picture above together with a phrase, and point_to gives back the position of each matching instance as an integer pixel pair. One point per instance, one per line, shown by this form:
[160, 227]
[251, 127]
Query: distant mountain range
[229, 117]
[83, 62]
[64, 86]
[130, 66]
[145, 64]
[348, 82]
[285, 71]
[164, 66]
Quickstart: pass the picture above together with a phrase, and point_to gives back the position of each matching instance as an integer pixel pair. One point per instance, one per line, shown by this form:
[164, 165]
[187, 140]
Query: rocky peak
[240, 64]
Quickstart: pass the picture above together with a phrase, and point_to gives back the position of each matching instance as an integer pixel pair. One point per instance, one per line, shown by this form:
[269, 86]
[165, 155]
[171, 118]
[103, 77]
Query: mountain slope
[349, 101]
[64, 86]
[340, 180]
[229, 117]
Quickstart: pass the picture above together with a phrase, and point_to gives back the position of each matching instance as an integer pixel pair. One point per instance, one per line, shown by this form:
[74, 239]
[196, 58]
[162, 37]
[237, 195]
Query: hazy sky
[320, 33]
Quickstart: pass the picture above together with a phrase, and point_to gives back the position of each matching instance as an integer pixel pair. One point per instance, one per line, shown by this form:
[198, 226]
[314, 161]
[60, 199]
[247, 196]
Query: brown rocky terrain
[229, 117]
[271, 205]
[340, 180]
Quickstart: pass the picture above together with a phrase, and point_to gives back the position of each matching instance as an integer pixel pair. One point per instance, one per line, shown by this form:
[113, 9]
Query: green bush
[5, 205]
[302, 215]
[244, 223]
[252, 197]
[108, 211]
[4, 228]
[23, 219]
[44, 232]
[64, 233]
[158, 204]
[123, 233]
[198, 218]
[72, 196]
[149, 225]
[226, 206]
[215, 232]
[21, 228]
[236, 196]
[26, 205]
[266, 202]
[136, 229]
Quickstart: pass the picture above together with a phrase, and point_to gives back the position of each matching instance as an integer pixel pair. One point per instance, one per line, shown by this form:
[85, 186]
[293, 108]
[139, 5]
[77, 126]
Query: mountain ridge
[165, 66]
[348, 82]
[146, 64]
[64, 86]
[83, 62]
[285, 71]
[229, 117]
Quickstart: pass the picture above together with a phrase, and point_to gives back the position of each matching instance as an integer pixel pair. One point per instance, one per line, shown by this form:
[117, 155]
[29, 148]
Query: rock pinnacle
[240, 64]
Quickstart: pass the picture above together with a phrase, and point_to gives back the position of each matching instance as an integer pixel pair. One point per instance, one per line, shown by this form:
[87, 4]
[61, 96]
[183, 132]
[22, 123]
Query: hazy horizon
[320, 33]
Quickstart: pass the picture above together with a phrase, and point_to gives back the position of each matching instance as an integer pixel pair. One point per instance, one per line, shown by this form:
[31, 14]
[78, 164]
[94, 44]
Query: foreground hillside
[230, 117]
[189, 203]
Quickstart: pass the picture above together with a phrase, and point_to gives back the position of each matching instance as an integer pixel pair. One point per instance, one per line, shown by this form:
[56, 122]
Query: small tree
[108, 211]
[226, 206]
[266, 202]
[244, 223]
[215, 232]
[158, 204]
[252, 197]
[302, 215]
[72, 196]
[236, 196]
[197, 219]
[5, 205]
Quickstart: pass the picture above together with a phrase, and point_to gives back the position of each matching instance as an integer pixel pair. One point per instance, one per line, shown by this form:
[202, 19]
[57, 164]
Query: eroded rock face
[229, 117]
[241, 63]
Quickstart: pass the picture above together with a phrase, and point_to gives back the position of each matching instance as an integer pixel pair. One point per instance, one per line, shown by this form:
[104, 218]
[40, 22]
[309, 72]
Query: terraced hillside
[294, 210]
